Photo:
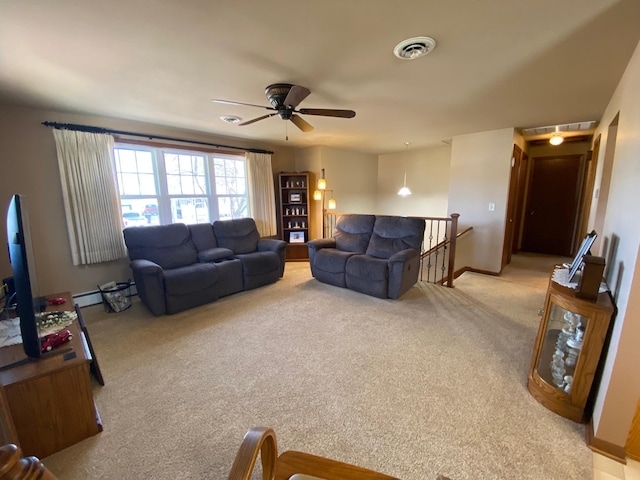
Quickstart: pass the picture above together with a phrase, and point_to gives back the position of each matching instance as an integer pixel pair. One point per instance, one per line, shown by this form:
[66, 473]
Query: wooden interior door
[587, 191]
[514, 205]
[552, 204]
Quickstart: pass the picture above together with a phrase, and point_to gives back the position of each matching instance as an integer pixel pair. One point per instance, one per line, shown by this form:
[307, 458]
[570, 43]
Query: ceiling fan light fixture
[556, 139]
[230, 119]
[414, 47]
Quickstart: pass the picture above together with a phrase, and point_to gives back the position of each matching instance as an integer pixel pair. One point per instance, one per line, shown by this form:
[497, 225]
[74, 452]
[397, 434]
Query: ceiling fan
[285, 97]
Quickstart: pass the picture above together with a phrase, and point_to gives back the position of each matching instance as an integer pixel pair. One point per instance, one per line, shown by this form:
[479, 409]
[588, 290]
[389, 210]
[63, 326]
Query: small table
[47, 404]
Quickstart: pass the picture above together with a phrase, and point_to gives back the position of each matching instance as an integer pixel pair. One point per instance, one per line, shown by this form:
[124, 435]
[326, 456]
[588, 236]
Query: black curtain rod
[89, 129]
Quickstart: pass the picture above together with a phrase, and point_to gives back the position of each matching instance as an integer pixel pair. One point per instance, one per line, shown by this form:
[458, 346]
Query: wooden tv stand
[47, 404]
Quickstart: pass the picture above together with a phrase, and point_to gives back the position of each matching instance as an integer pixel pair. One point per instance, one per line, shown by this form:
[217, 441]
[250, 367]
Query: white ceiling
[497, 63]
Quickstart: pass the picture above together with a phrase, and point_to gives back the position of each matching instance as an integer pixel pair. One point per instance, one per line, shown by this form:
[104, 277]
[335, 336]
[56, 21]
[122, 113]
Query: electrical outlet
[492, 206]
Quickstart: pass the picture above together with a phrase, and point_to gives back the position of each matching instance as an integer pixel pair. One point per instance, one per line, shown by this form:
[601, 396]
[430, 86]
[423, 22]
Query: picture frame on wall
[296, 237]
[295, 198]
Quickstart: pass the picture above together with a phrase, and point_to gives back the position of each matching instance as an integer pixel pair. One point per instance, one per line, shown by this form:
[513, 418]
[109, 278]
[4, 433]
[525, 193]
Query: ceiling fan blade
[229, 102]
[296, 95]
[326, 112]
[249, 122]
[301, 123]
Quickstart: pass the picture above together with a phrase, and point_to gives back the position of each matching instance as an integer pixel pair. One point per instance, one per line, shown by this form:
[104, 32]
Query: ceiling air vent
[415, 47]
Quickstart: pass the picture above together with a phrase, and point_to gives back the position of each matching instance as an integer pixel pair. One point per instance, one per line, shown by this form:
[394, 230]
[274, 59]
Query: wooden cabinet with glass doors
[568, 349]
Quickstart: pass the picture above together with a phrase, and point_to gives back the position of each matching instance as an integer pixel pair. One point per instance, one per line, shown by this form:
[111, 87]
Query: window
[164, 185]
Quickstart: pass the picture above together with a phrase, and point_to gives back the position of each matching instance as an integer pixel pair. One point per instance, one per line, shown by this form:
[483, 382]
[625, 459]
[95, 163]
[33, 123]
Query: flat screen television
[24, 274]
[586, 245]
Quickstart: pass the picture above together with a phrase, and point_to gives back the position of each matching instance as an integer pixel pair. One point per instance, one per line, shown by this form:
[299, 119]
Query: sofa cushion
[202, 236]
[259, 268]
[332, 260]
[240, 235]
[189, 279]
[369, 275]
[394, 234]
[352, 232]
[169, 246]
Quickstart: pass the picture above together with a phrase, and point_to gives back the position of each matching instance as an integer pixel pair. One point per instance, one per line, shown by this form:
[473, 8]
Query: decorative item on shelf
[296, 237]
[320, 194]
[405, 191]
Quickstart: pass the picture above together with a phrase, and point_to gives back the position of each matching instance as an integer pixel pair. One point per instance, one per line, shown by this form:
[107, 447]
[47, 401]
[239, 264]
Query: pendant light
[556, 138]
[404, 191]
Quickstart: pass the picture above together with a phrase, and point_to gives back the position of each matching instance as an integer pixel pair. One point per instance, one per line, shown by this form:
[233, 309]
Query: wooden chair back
[291, 465]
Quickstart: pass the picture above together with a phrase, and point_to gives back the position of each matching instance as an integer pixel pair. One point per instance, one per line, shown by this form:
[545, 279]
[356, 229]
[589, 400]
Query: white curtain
[261, 193]
[91, 201]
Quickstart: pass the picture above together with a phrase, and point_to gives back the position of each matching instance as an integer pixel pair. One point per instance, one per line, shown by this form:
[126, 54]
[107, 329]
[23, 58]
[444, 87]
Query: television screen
[582, 251]
[24, 274]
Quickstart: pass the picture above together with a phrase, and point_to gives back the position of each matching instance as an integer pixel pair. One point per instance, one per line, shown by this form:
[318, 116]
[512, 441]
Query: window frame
[163, 198]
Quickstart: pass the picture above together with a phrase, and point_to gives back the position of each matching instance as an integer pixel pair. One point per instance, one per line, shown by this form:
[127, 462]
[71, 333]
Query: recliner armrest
[214, 254]
[271, 245]
[404, 255]
[145, 267]
[322, 243]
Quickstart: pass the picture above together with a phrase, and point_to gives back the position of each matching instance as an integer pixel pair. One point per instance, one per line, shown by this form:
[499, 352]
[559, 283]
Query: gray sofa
[177, 266]
[375, 255]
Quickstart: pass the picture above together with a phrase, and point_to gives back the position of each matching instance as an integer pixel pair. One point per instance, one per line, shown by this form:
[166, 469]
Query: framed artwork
[584, 249]
[295, 198]
[296, 237]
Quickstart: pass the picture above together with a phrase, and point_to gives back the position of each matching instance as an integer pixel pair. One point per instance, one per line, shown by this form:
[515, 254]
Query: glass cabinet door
[561, 347]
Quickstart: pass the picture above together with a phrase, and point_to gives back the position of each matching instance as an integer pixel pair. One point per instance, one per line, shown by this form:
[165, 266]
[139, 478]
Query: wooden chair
[291, 465]
[13, 466]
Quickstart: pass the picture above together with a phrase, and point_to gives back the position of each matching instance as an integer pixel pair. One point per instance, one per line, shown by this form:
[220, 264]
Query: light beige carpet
[434, 383]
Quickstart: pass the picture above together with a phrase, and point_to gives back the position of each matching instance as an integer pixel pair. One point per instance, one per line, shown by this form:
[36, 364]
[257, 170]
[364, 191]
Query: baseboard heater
[94, 297]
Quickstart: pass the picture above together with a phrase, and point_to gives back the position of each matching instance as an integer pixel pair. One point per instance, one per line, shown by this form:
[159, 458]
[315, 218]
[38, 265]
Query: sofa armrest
[314, 245]
[271, 245]
[149, 280]
[145, 267]
[404, 255]
[321, 243]
[274, 245]
[214, 254]
[404, 267]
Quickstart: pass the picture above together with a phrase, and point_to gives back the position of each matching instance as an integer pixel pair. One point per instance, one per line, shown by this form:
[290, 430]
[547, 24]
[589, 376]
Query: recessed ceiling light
[415, 47]
[230, 119]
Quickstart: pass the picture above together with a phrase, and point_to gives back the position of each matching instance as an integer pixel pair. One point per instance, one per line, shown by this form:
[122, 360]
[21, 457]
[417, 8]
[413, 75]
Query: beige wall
[28, 163]
[352, 176]
[427, 177]
[480, 169]
[620, 386]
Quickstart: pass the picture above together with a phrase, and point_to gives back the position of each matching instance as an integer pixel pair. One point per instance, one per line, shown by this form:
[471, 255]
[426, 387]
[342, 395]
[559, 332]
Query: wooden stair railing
[290, 464]
[13, 466]
[447, 243]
